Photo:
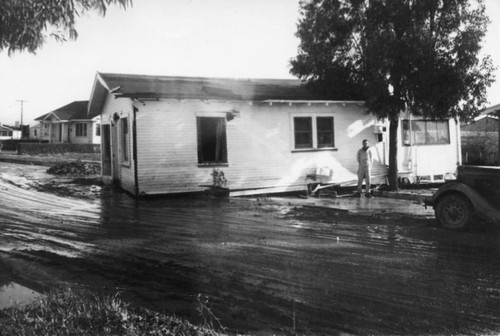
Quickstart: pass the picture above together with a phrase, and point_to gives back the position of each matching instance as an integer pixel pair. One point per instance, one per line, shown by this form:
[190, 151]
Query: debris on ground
[77, 167]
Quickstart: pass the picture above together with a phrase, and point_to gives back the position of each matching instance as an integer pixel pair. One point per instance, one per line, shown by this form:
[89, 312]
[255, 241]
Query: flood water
[13, 294]
[265, 266]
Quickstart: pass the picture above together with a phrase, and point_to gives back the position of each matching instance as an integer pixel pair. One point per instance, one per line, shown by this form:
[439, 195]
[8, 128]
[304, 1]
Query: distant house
[8, 132]
[5, 132]
[35, 132]
[480, 138]
[70, 124]
[163, 135]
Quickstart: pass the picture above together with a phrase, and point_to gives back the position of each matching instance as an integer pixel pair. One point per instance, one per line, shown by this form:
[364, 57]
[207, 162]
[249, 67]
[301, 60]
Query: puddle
[13, 293]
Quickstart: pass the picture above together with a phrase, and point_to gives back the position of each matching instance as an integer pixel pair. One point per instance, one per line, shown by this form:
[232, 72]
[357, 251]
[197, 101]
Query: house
[428, 150]
[6, 132]
[163, 135]
[35, 132]
[16, 132]
[480, 138]
[70, 124]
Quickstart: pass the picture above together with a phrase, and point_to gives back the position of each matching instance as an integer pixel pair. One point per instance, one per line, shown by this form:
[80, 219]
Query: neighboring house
[11, 132]
[164, 135]
[70, 124]
[35, 132]
[429, 150]
[6, 132]
[480, 138]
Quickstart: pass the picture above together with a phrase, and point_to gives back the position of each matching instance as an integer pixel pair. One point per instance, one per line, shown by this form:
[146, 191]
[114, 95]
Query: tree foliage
[420, 56]
[26, 24]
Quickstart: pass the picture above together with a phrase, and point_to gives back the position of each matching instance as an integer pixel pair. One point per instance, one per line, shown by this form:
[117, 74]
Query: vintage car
[474, 195]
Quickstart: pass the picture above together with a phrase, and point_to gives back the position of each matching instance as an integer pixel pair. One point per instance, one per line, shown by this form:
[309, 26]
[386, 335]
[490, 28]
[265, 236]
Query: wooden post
[498, 149]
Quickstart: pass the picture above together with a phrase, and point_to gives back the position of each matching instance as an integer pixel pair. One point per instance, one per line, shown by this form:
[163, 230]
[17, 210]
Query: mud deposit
[266, 267]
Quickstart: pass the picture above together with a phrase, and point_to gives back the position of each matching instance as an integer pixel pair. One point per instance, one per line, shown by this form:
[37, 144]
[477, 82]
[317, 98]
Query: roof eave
[491, 110]
[97, 95]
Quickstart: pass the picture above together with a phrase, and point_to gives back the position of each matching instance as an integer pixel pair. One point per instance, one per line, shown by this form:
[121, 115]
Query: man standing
[365, 168]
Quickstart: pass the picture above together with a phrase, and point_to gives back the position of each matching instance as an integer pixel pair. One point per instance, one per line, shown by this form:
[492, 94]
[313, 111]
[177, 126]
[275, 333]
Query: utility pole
[22, 101]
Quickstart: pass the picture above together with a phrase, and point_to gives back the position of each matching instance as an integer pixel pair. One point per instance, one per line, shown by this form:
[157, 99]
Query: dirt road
[265, 266]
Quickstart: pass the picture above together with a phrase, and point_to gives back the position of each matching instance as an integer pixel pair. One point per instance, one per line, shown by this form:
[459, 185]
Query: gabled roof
[166, 87]
[5, 128]
[76, 110]
[482, 123]
[491, 110]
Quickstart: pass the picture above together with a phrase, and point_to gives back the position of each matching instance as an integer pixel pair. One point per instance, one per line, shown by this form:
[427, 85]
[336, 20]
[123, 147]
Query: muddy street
[266, 266]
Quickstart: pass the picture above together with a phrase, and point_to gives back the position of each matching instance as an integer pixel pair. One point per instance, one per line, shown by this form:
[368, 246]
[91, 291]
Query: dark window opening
[81, 130]
[124, 142]
[325, 132]
[212, 147]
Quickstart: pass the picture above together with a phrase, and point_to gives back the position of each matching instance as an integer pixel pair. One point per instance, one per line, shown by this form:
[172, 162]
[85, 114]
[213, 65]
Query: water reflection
[15, 294]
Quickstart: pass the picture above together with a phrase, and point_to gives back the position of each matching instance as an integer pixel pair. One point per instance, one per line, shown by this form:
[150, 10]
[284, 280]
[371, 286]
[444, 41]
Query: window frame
[315, 132]
[124, 141]
[81, 130]
[223, 161]
[98, 129]
[409, 135]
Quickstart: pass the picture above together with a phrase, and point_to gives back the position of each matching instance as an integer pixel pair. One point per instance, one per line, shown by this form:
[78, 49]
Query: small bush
[75, 168]
[78, 313]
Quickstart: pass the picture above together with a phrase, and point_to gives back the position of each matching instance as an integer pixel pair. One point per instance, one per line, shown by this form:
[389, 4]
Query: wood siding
[259, 145]
[123, 172]
[431, 160]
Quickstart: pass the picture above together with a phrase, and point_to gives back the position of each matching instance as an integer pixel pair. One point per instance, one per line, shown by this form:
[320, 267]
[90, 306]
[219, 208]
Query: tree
[25, 24]
[419, 56]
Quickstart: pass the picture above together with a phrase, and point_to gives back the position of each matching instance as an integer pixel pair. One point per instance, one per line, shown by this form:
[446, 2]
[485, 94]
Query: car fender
[482, 206]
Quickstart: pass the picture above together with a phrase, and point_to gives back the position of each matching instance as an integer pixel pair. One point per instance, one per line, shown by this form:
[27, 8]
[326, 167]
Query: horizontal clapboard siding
[123, 109]
[259, 145]
[434, 159]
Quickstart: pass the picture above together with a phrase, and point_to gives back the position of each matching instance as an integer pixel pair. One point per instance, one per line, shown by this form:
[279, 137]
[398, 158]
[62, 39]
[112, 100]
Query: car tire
[455, 212]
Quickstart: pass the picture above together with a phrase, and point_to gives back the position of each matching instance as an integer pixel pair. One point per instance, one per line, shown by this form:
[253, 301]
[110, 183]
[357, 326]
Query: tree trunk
[393, 153]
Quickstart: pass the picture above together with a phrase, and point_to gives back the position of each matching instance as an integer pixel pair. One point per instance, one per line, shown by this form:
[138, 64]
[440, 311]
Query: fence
[45, 148]
[480, 148]
[12, 144]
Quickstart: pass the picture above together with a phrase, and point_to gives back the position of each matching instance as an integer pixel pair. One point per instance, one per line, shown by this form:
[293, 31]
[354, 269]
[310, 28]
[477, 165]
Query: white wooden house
[6, 132]
[163, 135]
[70, 124]
[429, 150]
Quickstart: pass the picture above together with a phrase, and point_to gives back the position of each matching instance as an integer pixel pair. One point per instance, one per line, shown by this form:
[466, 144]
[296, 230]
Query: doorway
[106, 150]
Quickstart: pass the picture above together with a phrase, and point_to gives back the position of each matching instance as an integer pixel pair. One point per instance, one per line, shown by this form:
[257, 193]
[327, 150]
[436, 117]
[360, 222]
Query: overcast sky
[209, 38]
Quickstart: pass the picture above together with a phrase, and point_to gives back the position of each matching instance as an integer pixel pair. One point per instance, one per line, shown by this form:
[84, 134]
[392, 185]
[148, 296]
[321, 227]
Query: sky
[207, 38]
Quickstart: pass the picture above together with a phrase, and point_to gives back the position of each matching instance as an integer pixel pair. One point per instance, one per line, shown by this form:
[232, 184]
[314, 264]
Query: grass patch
[71, 312]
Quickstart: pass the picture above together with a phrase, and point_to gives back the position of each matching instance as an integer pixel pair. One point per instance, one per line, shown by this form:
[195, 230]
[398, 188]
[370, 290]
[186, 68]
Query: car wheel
[454, 212]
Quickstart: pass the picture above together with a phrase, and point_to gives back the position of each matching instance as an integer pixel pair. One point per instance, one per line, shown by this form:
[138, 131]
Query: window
[303, 132]
[313, 132]
[425, 132]
[212, 148]
[324, 126]
[81, 130]
[124, 139]
[97, 129]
